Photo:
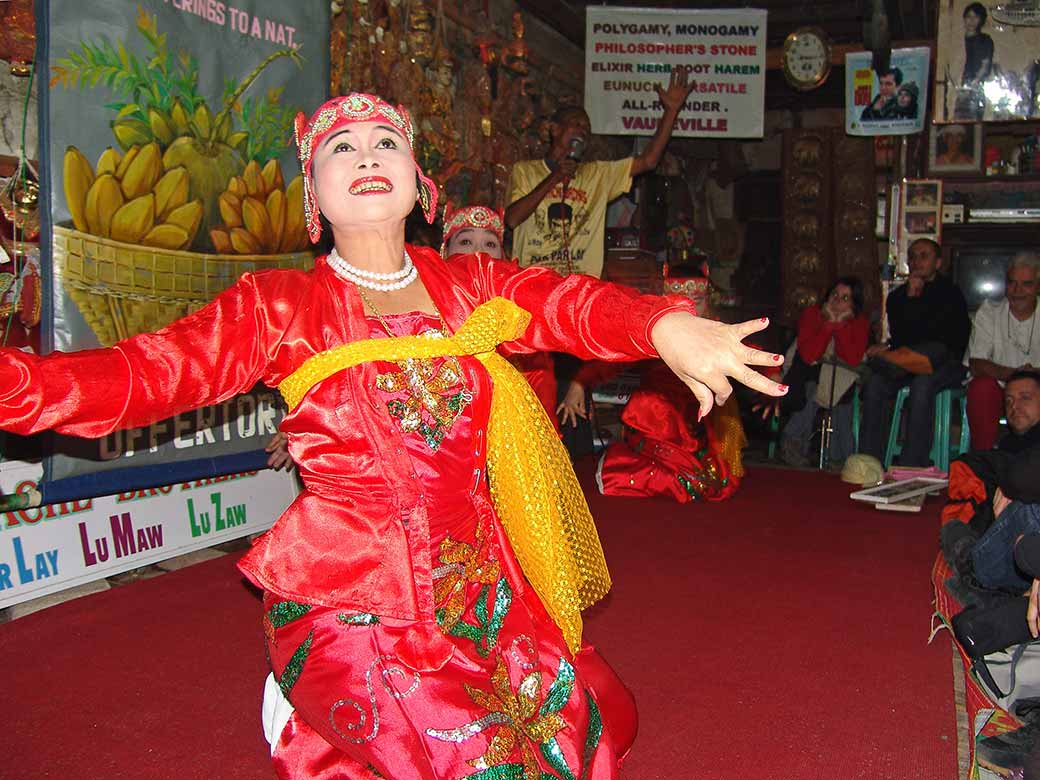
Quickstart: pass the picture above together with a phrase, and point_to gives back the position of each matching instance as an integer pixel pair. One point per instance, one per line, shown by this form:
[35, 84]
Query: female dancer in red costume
[473, 229]
[423, 594]
[668, 448]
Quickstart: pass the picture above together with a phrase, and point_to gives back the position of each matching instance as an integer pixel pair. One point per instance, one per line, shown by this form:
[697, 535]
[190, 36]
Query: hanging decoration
[18, 35]
[477, 106]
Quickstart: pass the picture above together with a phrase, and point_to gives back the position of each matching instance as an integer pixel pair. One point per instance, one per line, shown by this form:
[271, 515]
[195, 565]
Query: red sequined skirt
[485, 689]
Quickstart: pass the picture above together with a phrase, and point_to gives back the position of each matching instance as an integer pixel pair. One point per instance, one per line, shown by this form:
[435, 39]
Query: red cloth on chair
[985, 406]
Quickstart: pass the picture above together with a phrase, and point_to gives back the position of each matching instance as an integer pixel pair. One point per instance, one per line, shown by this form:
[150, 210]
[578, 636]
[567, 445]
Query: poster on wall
[891, 103]
[631, 52]
[986, 62]
[170, 171]
[50, 548]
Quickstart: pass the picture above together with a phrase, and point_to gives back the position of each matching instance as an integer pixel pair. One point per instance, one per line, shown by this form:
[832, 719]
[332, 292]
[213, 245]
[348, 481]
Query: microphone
[577, 149]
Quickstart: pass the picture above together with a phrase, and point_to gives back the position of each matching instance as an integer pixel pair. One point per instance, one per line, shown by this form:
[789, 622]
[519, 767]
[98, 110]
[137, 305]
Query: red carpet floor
[778, 635]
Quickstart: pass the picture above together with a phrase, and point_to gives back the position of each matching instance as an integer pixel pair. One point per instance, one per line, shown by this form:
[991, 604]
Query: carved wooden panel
[829, 216]
[807, 263]
[854, 214]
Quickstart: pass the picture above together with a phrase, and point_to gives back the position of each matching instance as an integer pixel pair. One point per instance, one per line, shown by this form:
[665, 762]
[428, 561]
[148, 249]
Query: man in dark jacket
[1016, 500]
[929, 325]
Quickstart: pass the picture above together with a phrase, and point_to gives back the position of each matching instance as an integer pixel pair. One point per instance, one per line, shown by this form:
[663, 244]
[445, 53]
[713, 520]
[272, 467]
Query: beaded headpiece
[691, 282]
[345, 110]
[480, 217]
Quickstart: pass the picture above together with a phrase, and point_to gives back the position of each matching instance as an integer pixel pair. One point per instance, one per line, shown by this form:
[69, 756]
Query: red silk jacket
[357, 536]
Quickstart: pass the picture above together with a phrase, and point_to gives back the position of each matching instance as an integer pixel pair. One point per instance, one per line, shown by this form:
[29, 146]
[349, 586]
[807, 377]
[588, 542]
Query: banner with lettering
[50, 548]
[892, 103]
[630, 52]
[166, 138]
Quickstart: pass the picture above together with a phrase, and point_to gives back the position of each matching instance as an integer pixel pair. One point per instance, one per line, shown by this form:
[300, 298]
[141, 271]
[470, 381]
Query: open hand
[767, 407]
[1000, 502]
[678, 90]
[705, 354]
[573, 405]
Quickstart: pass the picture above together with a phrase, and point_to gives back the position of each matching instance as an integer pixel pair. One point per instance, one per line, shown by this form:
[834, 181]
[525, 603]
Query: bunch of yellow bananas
[130, 198]
[260, 217]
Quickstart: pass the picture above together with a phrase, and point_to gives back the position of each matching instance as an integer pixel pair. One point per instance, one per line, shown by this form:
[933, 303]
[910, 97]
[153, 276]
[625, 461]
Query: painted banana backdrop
[182, 177]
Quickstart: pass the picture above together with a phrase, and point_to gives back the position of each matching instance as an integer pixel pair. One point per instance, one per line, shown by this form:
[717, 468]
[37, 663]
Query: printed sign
[630, 53]
[51, 548]
[176, 176]
[892, 103]
[986, 65]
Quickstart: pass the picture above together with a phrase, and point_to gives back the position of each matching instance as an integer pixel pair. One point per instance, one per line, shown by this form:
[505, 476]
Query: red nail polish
[783, 388]
[765, 319]
[776, 358]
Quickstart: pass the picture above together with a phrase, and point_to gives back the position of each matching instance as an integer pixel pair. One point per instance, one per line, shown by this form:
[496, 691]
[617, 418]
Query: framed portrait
[920, 216]
[954, 149]
[985, 64]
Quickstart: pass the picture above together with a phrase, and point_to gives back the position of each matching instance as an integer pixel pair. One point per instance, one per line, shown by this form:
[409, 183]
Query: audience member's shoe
[956, 539]
[791, 453]
[1010, 750]
[969, 593]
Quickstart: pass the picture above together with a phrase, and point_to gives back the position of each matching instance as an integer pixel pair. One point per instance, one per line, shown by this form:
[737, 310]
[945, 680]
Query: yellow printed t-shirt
[573, 226]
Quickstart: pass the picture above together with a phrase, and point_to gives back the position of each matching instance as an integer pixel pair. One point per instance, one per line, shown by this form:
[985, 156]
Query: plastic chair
[942, 449]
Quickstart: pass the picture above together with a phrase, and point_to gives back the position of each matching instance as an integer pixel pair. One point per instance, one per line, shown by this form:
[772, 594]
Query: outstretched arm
[672, 99]
[706, 354]
[594, 319]
[204, 358]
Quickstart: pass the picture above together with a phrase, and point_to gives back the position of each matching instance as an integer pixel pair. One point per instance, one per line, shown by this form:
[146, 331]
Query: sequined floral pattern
[463, 564]
[519, 721]
[432, 396]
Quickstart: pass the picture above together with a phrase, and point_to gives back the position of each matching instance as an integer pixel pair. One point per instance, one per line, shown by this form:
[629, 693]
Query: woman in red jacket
[834, 333]
[422, 595]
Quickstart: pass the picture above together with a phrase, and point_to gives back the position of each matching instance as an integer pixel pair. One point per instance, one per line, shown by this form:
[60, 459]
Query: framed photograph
[901, 491]
[955, 149]
[922, 194]
[920, 212]
[921, 223]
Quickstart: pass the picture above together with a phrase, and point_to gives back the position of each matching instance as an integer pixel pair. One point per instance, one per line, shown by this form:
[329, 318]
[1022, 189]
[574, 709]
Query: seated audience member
[1010, 753]
[929, 325]
[1004, 339]
[832, 339]
[979, 547]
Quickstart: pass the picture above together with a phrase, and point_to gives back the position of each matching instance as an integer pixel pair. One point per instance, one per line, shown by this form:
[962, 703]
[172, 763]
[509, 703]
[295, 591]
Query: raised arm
[672, 99]
[204, 358]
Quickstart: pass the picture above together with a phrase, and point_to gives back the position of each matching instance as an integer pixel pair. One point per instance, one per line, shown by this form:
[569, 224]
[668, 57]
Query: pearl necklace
[381, 282]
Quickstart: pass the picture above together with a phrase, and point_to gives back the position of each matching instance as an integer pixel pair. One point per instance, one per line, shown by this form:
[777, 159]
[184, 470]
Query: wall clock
[807, 58]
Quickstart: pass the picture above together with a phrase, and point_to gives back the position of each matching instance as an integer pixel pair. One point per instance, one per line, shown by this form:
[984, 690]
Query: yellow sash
[536, 494]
